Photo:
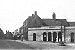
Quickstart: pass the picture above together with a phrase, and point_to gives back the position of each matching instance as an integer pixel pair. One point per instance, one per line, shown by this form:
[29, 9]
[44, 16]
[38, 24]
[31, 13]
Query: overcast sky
[14, 12]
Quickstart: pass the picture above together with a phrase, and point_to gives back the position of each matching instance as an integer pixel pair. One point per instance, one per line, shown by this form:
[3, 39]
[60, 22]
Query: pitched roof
[28, 20]
[71, 23]
[36, 22]
[57, 22]
[64, 22]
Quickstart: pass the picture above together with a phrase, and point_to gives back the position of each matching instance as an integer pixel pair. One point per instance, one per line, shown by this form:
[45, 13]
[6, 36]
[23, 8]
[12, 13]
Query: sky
[14, 12]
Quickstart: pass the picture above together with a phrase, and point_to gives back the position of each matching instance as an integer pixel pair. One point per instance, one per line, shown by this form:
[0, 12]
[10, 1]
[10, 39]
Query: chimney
[32, 14]
[35, 12]
[54, 15]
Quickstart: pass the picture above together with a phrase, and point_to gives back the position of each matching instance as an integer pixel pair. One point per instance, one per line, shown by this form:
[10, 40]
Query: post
[47, 36]
[61, 31]
[64, 34]
[52, 36]
[57, 37]
[61, 28]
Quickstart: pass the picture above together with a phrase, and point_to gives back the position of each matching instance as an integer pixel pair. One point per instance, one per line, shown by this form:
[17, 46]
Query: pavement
[47, 45]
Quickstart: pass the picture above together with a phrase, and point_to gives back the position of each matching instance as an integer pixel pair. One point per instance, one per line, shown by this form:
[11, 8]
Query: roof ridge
[57, 19]
[71, 22]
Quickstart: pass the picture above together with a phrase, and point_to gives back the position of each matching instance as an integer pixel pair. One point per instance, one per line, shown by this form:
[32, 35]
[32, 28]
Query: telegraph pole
[61, 32]
[64, 33]
[61, 28]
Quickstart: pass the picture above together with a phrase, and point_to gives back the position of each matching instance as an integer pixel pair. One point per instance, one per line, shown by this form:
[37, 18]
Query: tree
[8, 35]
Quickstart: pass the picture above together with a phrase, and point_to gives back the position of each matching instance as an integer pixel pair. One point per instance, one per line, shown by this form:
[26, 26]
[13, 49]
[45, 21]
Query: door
[49, 36]
[59, 36]
[54, 36]
[34, 36]
[72, 37]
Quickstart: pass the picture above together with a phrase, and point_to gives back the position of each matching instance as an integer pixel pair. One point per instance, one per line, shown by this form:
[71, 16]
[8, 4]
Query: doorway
[72, 37]
[44, 36]
[59, 36]
[54, 36]
[49, 36]
[34, 36]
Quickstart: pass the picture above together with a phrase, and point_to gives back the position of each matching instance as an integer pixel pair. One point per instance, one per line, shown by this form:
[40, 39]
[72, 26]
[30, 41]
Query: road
[12, 44]
[6, 44]
[47, 45]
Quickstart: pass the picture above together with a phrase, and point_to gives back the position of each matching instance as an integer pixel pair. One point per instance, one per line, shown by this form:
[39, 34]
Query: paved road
[6, 44]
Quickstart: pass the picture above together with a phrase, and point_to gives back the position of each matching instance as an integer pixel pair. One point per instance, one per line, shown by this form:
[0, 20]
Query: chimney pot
[54, 16]
[32, 14]
[35, 12]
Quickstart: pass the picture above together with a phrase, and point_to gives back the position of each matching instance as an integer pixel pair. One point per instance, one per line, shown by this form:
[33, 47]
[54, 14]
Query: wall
[39, 33]
[69, 30]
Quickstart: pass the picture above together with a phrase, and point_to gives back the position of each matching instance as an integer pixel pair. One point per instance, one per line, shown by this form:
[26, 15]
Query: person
[21, 37]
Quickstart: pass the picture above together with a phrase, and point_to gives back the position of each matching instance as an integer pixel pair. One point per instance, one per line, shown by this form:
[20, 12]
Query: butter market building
[53, 30]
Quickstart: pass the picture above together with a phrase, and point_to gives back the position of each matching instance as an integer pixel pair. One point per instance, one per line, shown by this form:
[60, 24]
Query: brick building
[54, 30]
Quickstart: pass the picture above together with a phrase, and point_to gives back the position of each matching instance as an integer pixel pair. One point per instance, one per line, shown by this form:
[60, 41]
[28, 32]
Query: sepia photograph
[37, 24]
